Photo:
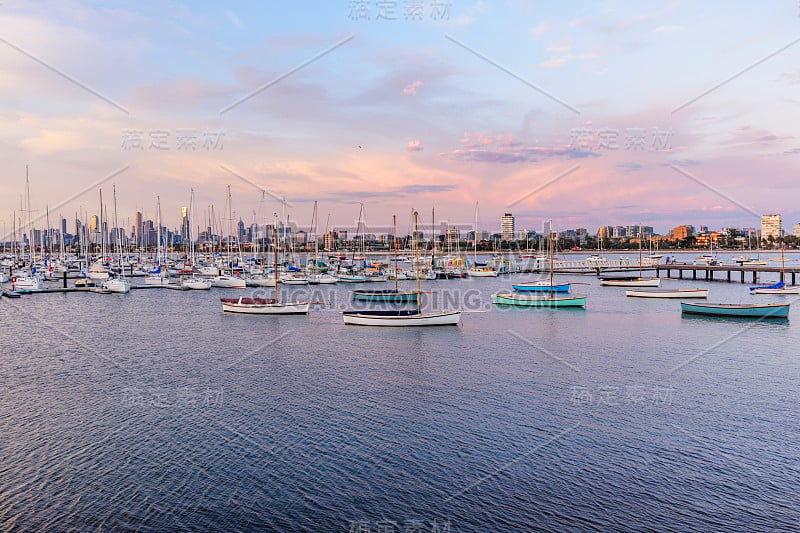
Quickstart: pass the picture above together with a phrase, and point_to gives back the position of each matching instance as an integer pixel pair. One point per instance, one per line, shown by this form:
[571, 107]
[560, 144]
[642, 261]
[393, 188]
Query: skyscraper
[771, 225]
[507, 227]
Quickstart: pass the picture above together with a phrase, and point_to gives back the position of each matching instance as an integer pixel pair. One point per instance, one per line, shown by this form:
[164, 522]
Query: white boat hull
[782, 290]
[268, 309]
[685, 293]
[482, 273]
[121, 286]
[196, 284]
[651, 282]
[228, 282]
[26, 284]
[422, 319]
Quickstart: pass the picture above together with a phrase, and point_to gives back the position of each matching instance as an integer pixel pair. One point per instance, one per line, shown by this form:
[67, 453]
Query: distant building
[771, 225]
[605, 232]
[680, 233]
[301, 237]
[507, 227]
[452, 235]
[796, 230]
[330, 240]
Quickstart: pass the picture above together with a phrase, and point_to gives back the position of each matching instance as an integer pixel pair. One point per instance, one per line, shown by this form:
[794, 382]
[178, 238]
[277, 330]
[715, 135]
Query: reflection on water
[155, 411]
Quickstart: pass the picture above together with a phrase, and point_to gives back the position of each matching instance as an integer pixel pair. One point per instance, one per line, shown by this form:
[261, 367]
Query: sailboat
[628, 281]
[223, 280]
[780, 287]
[193, 282]
[478, 270]
[388, 295]
[404, 317]
[158, 275]
[117, 284]
[263, 306]
[550, 299]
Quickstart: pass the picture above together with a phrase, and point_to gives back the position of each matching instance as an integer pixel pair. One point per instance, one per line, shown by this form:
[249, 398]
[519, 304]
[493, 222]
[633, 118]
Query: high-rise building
[771, 225]
[507, 227]
[94, 223]
[679, 233]
[452, 235]
[796, 230]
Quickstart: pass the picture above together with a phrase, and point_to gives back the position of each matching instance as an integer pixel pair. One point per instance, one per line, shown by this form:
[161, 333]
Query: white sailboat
[263, 306]
[477, 270]
[780, 287]
[117, 284]
[193, 282]
[403, 317]
[628, 281]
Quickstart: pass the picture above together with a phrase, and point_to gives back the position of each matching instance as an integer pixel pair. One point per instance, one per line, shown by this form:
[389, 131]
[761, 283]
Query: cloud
[683, 162]
[629, 167]
[411, 90]
[538, 31]
[580, 21]
[744, 128]
[554, 63]
[562, 46]
[421, 188]
[792, 151]
[516, 155]
[234, 19]
[415, 146]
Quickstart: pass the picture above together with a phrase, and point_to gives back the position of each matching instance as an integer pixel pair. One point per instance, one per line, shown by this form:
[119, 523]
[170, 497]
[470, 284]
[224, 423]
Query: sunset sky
[583, 112]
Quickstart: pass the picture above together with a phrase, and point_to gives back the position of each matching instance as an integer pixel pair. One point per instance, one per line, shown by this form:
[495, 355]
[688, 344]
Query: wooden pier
[729, 273]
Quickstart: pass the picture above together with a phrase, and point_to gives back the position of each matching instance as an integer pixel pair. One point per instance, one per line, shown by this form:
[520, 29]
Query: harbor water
[155, 411]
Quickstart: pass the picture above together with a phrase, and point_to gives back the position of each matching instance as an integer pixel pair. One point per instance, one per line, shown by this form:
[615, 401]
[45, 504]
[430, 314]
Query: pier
[729, 273]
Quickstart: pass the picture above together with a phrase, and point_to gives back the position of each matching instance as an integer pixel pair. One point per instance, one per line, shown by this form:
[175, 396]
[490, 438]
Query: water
[154, 411]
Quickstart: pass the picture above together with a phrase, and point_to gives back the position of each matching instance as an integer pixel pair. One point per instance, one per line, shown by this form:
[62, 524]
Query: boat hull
[737, 311]
[482, 273]
[267, 309]
[227, 282]
[562, 287]
[356, 318]
[117, 285]
[385, 296]
[637, 282]
[684, 293]
[196, 285]
[782, 290]
[529, 301]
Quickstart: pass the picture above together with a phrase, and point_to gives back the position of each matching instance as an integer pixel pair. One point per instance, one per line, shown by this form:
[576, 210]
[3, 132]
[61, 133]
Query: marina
[399, 267]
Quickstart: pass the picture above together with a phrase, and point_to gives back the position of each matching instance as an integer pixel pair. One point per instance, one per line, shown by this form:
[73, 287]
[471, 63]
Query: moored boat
[262, 306]
[630, 282]
[737, 310]
[388, 295]
[530, 300]
[403, 317]
[668, 293]
[542, 285]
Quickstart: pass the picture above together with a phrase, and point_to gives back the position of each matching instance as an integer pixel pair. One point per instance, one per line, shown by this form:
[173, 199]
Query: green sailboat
[541, 299]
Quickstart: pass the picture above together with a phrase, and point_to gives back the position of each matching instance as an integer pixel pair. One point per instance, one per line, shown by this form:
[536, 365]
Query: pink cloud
[414, 146]
[744, 128]
[411, 90]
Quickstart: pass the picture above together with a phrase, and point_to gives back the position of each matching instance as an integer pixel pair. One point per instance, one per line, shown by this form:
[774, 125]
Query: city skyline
[337, 106]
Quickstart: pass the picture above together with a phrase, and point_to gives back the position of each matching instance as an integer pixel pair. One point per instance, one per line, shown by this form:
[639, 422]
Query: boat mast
[416, 246]
[119, 237]
[394, 238]
[275, 246]
[552, 253]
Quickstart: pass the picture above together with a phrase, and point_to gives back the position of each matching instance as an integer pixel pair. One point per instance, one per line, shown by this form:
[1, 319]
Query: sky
[586, 113]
